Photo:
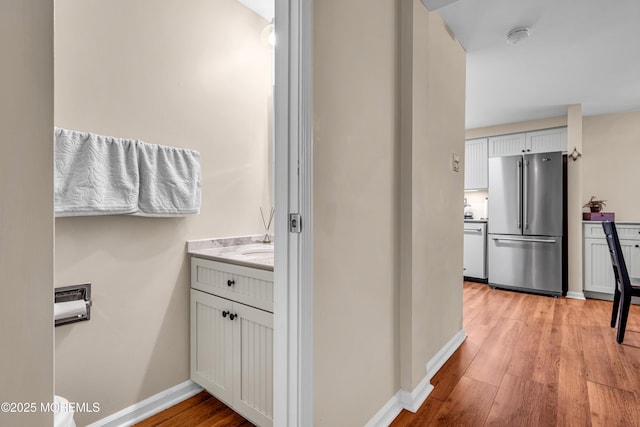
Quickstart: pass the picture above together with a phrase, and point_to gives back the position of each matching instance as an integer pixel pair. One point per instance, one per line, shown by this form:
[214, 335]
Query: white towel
[94, 174]
[103, 175]
[169, 180]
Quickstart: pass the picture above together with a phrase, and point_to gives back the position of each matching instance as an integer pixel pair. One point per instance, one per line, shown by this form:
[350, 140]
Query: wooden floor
[536, 361]
[201, 410]
[527, 361]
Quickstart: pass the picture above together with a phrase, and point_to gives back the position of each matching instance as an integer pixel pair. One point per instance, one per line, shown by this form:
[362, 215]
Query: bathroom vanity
[232, 324]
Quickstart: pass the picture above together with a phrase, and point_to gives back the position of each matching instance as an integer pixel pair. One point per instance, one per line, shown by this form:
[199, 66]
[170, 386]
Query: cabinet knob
[523, 151]
[232, 316]
[224, 313]
[231, 282]
[528, 150]
[637, 246]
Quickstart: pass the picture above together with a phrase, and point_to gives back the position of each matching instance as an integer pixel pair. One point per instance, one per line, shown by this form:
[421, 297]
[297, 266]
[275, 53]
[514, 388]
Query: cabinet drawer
[249, 286]
[625, 231]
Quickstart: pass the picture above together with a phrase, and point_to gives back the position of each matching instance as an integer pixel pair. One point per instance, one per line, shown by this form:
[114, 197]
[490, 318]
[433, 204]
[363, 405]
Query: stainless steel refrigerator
[527, 223]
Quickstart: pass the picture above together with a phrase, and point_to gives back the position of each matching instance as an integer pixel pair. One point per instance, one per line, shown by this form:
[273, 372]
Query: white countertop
[248, 251]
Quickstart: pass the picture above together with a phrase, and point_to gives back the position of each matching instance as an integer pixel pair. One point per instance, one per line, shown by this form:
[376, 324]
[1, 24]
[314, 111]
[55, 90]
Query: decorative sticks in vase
[267, 225]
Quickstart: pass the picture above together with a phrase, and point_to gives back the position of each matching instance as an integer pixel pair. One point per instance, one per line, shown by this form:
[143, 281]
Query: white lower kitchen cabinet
[475, 250]
[599, 281]
[232, 342]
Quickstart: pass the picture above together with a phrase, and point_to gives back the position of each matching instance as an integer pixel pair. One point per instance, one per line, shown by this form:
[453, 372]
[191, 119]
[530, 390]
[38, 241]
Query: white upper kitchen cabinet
[540, 141]
[507, 145]
[475, 164]
[548, 140]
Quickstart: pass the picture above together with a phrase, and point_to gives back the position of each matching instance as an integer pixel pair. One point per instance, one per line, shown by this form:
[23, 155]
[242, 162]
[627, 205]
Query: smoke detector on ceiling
[517, 35]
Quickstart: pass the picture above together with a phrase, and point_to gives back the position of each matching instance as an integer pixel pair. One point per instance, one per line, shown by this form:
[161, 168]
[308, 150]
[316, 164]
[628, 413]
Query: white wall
[26, 211]
[186, 74]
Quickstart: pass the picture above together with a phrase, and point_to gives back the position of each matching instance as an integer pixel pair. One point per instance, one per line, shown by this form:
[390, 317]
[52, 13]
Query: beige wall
[355, 209]
[575, 173]
[431, 291]
[611, 148]
[357, 186]
[26, 211]
[186, 74]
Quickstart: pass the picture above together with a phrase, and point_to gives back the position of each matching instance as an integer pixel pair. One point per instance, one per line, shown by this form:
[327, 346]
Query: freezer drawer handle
[473, 229]
[515, 239]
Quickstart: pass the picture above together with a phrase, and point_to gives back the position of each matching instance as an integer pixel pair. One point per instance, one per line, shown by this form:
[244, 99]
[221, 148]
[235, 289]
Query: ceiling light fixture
[269, 34]
[517, 35]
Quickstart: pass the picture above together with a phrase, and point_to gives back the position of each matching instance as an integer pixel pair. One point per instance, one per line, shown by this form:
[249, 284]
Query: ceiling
[264, 8]
[579, 52]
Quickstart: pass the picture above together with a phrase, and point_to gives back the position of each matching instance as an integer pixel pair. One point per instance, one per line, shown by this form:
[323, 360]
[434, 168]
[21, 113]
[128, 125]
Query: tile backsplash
[476, 200]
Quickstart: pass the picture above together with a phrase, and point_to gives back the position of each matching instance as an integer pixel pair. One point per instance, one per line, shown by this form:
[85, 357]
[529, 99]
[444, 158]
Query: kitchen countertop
[476, 220]
[248, 251]
[617, 222]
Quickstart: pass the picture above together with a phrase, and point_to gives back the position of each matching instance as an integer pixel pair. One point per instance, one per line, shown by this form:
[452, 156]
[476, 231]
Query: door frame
[293, 275]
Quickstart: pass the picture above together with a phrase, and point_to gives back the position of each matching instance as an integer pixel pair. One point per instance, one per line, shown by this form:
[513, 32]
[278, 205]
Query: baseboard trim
[441, 357]
[150, 406]
[576, 295]
[411, 401]
[387, 413]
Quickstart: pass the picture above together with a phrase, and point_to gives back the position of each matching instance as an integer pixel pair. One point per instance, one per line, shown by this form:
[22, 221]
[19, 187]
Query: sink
[257, 250]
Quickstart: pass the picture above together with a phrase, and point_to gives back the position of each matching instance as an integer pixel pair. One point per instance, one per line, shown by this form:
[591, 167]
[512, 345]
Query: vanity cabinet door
[212, 344]
[232, 354]
[253, 364]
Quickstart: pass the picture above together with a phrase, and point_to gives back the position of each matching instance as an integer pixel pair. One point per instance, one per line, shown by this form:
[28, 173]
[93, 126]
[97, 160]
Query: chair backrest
[617, 258]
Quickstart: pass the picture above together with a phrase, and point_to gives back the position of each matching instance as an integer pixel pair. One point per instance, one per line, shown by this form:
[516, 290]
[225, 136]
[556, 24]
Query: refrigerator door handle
[519, 188]
[525, 193]
[516, 239]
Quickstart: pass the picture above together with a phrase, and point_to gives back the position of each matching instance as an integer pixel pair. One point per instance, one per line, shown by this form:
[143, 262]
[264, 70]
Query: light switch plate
[455, 163]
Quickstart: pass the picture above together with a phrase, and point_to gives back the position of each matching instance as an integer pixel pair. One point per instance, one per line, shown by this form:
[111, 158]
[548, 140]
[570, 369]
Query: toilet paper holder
[80, 292]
